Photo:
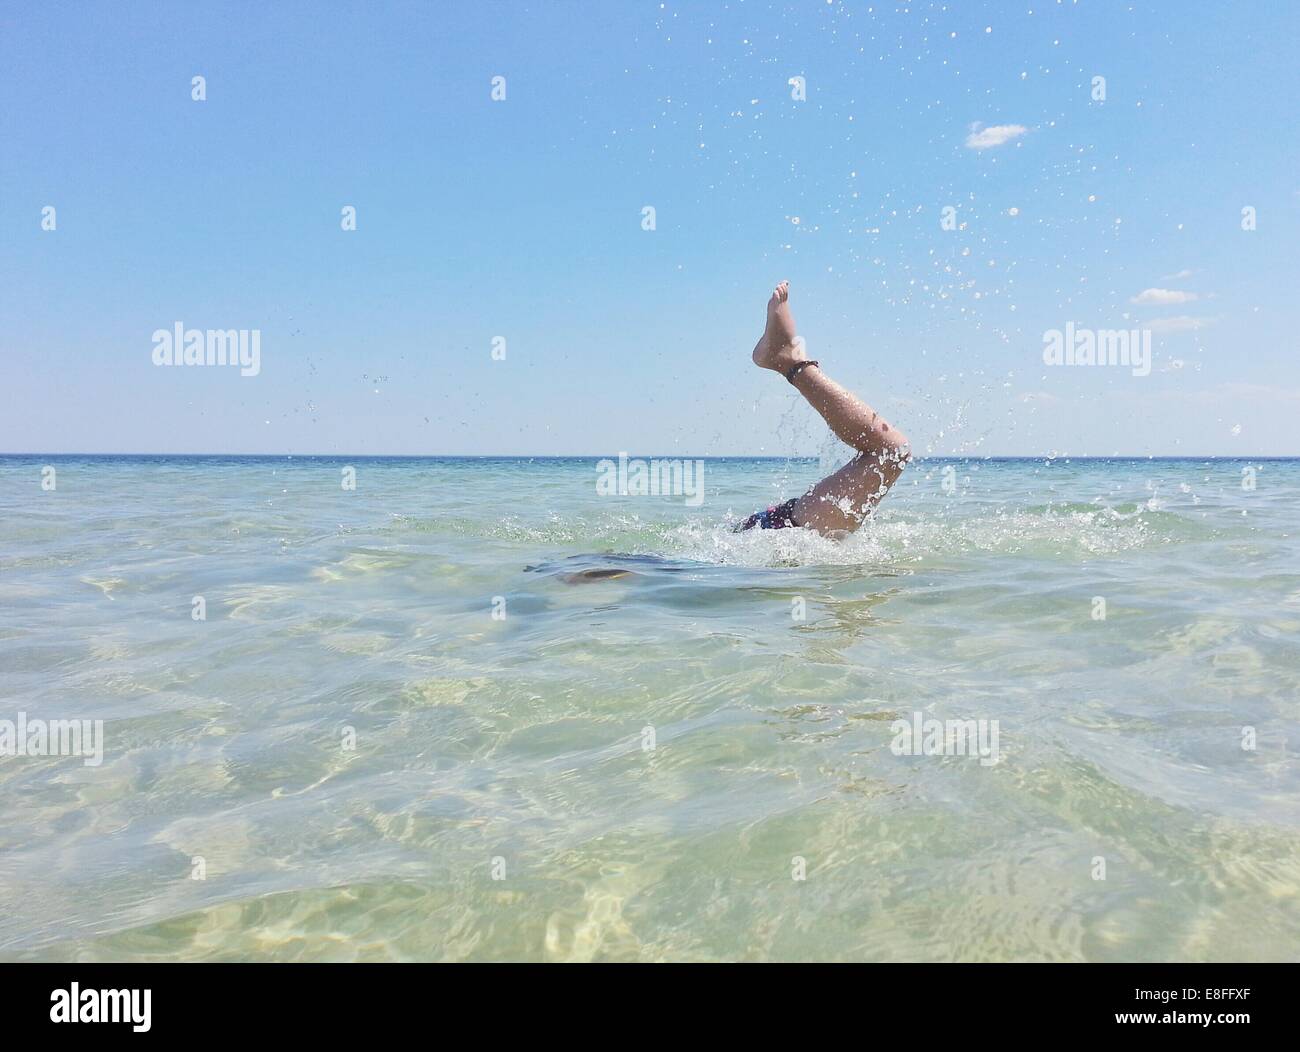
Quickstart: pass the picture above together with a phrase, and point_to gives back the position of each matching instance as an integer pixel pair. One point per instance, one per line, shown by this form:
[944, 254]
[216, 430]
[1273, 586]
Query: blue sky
[523, 219]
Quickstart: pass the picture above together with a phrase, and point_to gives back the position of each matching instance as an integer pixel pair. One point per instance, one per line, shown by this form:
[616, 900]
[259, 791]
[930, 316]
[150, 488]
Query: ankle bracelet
[795, 369]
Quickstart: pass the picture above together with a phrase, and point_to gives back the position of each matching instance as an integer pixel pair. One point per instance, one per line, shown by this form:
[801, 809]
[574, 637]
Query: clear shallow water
[522, 739]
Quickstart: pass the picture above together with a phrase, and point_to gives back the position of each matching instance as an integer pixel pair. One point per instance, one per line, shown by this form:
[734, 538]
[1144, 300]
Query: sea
[486, 709]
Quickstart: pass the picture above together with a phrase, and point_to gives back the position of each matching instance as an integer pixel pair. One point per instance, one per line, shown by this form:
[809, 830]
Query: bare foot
[779, 348]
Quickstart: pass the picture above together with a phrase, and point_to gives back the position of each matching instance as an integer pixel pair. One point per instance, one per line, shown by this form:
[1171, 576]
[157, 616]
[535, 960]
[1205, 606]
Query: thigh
[842, 501]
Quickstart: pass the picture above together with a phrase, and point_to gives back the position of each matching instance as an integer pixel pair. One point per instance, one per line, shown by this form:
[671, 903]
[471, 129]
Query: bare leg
[840, 501]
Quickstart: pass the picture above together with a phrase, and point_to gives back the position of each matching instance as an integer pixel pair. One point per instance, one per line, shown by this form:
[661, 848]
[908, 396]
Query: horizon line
[655, 456]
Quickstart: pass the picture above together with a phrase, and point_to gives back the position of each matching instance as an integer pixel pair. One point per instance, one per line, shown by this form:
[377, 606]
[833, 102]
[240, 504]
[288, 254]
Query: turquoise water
[361, 762]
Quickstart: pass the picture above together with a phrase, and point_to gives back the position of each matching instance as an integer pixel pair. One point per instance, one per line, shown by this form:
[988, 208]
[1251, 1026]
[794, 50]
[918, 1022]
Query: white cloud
[1180, 276]
[983, 138]
[1179, 323]
[1163, 297]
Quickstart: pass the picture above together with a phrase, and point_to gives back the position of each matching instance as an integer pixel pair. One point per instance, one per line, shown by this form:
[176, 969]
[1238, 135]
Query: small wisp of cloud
[1179, 323]
[1163, 297]
[995, 135]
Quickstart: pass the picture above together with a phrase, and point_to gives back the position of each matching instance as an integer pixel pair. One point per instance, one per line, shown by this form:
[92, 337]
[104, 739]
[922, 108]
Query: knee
[896, 446]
